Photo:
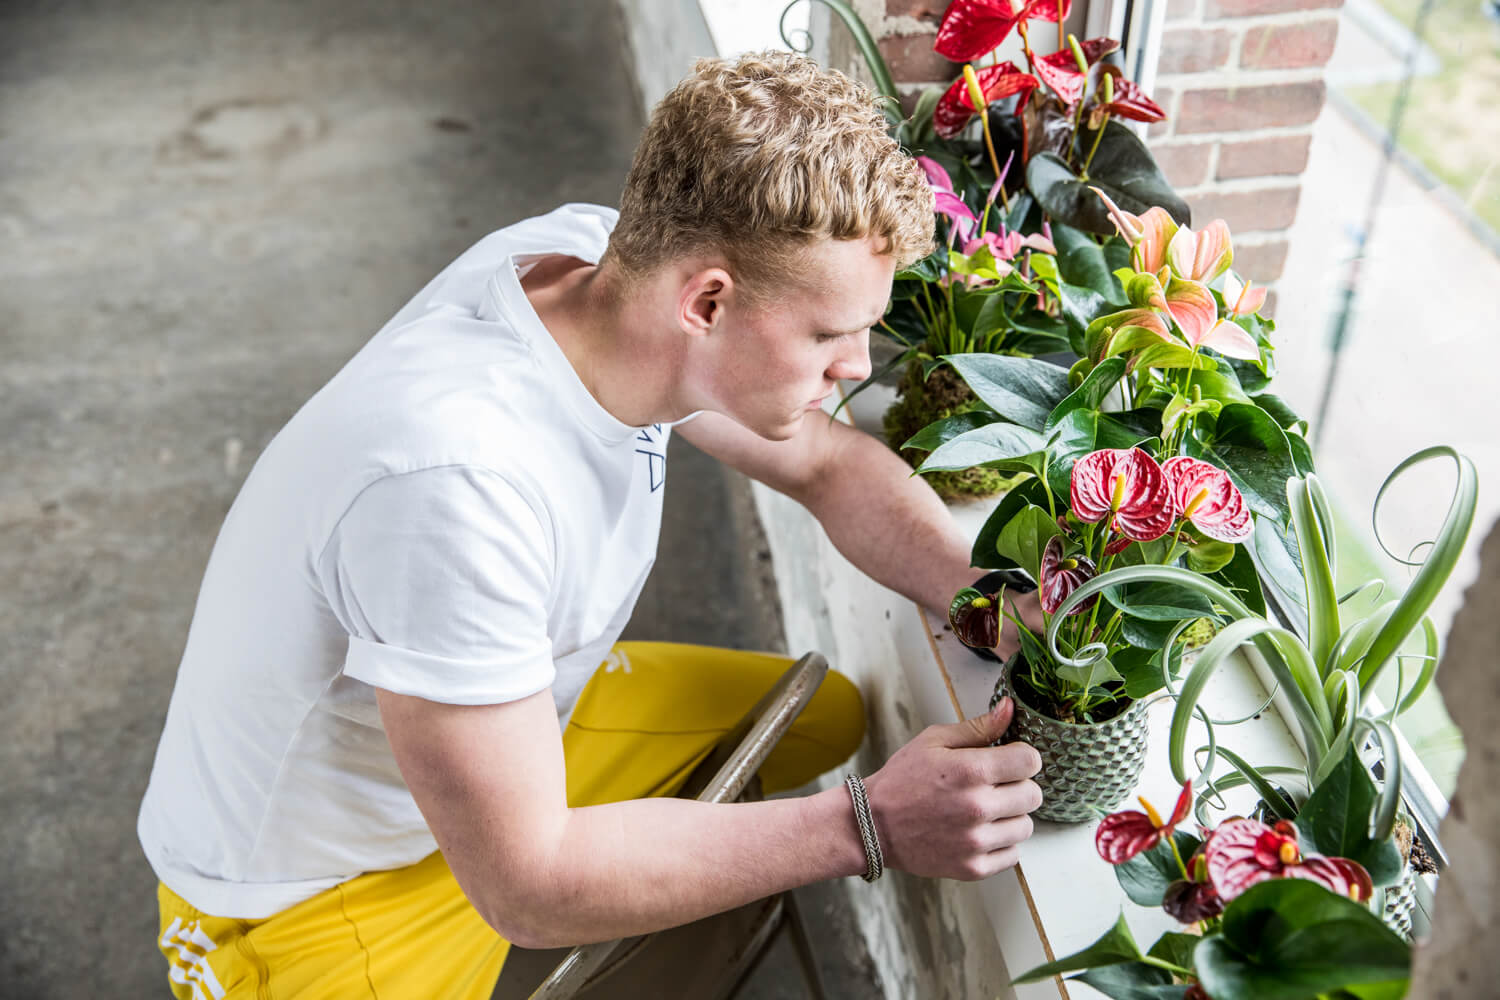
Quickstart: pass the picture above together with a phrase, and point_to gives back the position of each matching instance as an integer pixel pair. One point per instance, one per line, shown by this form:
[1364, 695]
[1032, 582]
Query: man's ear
[704, 296]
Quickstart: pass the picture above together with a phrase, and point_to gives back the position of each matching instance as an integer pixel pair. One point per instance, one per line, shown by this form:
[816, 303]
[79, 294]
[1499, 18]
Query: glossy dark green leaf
[983, 446]
[1159, 602]
[1210, 555]
[1024, 537]
[1335, 821]
[1090, 395]
[1080, 306]
[1273, 548]
[1145, 877]
[1241, 579]
[1078, 433]
[1141, 668]
[1221, 385]
[1284, 415]
[942, 431]
[1132, 981]
[1175, 947]
[984, 554]
[1247, 443]
[1081, 262]
[1115, 947]
[1022, 390]
[1122, 167]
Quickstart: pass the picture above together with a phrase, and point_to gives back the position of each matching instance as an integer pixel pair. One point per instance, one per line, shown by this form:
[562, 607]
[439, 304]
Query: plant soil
[920, 403]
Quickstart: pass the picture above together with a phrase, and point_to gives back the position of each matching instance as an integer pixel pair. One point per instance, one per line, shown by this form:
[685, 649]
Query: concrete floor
[205, 208]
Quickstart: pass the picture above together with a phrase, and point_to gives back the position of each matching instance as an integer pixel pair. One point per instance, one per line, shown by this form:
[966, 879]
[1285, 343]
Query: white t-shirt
[453, 516]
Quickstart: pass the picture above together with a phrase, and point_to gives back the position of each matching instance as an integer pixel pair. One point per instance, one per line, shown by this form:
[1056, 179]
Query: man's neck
[622, 353]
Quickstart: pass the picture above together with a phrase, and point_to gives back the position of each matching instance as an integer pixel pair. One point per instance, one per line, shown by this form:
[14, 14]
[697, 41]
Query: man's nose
[853, 364]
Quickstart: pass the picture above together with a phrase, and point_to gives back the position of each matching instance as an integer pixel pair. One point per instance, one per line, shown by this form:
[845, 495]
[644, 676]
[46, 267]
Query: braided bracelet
[874, 861]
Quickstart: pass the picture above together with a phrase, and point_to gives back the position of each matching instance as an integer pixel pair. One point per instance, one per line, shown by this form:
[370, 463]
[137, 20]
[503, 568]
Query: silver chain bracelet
[874, 860]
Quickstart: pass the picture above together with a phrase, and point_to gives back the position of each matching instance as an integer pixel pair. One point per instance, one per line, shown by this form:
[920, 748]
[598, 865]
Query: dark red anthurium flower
[1243, 852]
[1203, 494]
[1123, 835]
[975, 618]
[972, 28]
[1130, 101]
[1196, 992]
[1060, 71]
[956, 107]
[1060, 577]
[1189, 902]
[1126, 486]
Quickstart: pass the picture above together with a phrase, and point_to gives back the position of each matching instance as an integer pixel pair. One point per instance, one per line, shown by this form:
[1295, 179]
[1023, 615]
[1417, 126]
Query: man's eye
[824, 338]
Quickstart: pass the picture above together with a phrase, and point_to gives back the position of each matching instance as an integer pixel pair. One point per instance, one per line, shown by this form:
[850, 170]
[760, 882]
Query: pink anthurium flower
[1192, 307]
[1203, 494]
[952, 207]
[1126, 486]
[937, 177]
[972, 28]
[1240, 299]
[1060, 69]
[1201, 256]
[955, 108]
[1005, 244]
[1243, 852]
[1060, 577]
[1148, 234]
[1123, 835]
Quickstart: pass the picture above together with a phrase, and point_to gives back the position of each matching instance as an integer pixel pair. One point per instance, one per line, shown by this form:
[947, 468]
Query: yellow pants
[650, 714]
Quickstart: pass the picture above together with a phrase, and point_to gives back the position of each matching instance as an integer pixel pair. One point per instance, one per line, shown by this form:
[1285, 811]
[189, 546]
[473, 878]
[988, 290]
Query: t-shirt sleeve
[441, 578]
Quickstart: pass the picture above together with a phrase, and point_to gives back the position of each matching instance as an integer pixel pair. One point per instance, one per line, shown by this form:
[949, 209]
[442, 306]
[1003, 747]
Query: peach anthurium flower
[1192, 307]
[1243, 852]
[1201, 256]
[1123, 835]
[1241, 299]
[1126, 486]
[1203, 494]
[1148, 234]
[1060, 577]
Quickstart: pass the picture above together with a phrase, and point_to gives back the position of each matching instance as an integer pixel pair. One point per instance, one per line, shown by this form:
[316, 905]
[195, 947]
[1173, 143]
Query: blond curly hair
[758, 158]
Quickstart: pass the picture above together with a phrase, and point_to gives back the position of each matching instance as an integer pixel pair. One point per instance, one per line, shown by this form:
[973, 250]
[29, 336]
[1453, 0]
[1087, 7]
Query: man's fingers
[1002, 765]
[981, 730]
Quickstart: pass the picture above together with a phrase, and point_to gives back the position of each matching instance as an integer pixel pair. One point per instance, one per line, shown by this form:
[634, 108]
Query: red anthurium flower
[976, 622]
[1060, 71]
[1060, 577]
[1148, 234]
[1201, 256]
[956, 107]
[1190, 902]
[1243, 852]
[1126, 486]
[1130, 101]
[1193, 309]
[1117, 546]
[972, 28]
[1123, 835]
[1204, 495]
[1240, 299]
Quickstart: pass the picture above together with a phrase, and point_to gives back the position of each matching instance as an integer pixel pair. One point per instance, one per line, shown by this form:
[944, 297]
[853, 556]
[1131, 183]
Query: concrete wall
[665, 36]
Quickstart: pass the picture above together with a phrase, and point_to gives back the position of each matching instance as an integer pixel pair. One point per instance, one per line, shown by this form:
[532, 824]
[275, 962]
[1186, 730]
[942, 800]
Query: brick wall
[1241, 81]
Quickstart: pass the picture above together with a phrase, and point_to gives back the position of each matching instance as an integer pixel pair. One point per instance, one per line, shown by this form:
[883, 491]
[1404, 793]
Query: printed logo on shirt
[616, 660]
[189, 967]
[656, 455]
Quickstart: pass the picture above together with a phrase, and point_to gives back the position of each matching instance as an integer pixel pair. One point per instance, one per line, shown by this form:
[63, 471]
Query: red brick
[1214, 9]
[911, 60]
[1193, 50]
[1264, 157]
[1163, 97]
[1185, 164]
[1261, 263]
[1181, 10]
[1246, 211]
[1244, 108]
[1289, 46]
[922, 10]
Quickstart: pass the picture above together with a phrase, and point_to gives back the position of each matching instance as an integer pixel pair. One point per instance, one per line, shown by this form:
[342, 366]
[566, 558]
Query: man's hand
[950, 805]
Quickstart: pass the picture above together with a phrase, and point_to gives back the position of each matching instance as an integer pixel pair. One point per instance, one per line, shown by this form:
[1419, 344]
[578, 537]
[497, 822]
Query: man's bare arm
[490, 782]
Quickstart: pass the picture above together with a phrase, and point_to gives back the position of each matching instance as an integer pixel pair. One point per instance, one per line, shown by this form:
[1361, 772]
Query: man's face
[782, 357]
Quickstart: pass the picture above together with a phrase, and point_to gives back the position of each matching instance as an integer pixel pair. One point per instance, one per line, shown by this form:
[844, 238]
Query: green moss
[918, 404]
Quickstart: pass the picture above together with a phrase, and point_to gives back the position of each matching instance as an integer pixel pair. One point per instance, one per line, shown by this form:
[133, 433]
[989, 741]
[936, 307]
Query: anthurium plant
[1121, 508]
[1263, 916]
[1327, 671]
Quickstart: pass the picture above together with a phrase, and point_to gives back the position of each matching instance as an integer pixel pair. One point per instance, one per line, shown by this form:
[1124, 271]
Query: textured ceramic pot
[1087, 768]
[1401, 903]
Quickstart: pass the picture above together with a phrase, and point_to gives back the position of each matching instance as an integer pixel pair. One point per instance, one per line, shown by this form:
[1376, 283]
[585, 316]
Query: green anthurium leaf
[1302, 456]
[1166, 356]
[1247, 443]
[1132, 981]
[1078, 433]
[1335, 821]
[1273, 548]
[1091, 394]
[1145, 877]
[1116, 253]
[1252, 378]
[1145, 634]
[1081, 262]
[990, 316]
[1044, 267]
[1210, 555]
[1122, 167]
[1285, 417]
[1022, 390]
[1117, 946]
[1132, 338]
[1079, 307]
[928, 269]
[984, 554]
[1221, 385]
[904, 325]
[1033, 320]
[1291, 939]
[1144, 422]
[1181, 408]
[1023, 538]
[983, 446]
[1141, 668]
[1176, 947]
[1159, 602]
[1093, 675]
[1024, 343]
[942, 431]
[1240, 578]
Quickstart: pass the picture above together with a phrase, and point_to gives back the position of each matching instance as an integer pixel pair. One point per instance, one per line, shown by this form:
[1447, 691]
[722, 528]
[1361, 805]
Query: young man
[392, 747]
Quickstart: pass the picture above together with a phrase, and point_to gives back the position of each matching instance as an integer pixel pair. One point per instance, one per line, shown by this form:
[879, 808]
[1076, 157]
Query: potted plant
[1263, 916]
[1078, 688]
[1328, 672]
